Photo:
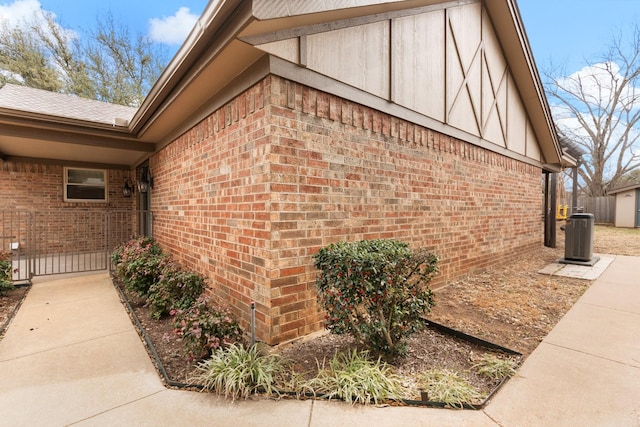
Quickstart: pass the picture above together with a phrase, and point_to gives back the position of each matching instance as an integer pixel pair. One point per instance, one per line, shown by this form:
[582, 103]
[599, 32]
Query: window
[85, 185]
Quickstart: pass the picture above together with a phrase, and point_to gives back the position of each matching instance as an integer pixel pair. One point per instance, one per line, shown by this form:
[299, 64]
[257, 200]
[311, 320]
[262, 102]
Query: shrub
[138, 264]
[237, 372]
[6, 281]
[355, 379]
[448, 387]
[375, 290]
[175, 288]
[204, 328]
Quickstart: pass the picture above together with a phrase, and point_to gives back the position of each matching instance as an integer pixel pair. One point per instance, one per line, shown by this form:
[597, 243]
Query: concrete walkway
[72, 357]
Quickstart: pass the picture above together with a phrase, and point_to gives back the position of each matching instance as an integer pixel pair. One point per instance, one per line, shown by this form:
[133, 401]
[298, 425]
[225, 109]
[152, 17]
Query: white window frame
[103, 184]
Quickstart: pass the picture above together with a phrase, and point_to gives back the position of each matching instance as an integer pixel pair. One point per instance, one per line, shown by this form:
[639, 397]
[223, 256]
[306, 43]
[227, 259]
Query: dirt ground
[514, 306]
[510, 305]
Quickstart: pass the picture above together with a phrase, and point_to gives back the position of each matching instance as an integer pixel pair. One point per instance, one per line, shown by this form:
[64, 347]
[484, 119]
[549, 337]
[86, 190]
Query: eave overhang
[213, 57]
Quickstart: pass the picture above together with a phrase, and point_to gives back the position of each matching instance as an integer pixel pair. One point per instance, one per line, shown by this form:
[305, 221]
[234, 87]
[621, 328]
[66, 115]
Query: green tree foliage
[109, 64]
[23, 60]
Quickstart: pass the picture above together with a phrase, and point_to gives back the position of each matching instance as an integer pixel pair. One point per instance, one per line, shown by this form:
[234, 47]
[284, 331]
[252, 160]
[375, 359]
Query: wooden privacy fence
[603, 208]
[65, 241]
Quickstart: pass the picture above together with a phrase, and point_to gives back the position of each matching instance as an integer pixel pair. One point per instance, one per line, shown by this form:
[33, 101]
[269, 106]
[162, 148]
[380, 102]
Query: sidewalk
[72, 357]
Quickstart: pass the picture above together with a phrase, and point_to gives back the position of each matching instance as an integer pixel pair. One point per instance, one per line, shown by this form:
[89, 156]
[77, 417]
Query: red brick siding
[251, 193]
[347, 172]
[211, 203]
[37, 187]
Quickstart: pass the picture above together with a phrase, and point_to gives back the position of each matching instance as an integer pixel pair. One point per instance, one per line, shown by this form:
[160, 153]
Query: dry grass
[618, 241]
[514, 306]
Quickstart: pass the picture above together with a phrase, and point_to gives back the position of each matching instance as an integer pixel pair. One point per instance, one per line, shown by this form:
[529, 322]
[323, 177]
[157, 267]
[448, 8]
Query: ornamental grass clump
[375, 290]
[448, 387]
[495, 368]
[354, 378]
[236, 372]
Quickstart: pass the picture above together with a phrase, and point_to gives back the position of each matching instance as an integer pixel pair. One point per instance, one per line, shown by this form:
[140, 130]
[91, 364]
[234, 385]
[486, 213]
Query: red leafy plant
[205, 328]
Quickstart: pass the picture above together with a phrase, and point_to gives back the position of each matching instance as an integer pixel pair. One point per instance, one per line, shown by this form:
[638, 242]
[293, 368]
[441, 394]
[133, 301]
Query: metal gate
[66, 240]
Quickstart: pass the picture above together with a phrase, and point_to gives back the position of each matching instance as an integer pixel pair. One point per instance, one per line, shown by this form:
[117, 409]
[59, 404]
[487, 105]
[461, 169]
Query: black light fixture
[128, 189]
[146, 180]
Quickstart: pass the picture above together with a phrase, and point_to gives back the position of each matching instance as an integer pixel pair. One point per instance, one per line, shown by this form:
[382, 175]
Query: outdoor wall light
[146, 180]
[128, 189]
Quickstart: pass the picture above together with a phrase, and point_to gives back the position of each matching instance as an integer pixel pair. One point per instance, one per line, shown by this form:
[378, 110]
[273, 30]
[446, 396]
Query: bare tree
[124, 68]
[598, 109]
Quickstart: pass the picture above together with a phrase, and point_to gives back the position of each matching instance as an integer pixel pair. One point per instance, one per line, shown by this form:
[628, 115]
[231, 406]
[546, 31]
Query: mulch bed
[9, 304]
[428, 349]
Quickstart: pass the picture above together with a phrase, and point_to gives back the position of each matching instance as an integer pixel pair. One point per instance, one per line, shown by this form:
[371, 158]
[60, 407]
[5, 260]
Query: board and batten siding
[444, 63]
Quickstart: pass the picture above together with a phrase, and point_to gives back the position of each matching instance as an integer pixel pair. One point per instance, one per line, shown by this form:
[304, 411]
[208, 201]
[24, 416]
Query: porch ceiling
[54, 141]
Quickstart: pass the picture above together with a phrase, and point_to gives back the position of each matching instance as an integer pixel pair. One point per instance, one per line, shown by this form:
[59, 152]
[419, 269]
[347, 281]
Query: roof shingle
[39, 101]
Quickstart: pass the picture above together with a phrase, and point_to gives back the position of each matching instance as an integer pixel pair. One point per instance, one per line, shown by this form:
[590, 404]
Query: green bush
[237, 372]
[175, 288]
[204, 328]
[138, 264]
[376, 291]
[6, 282]
[355, 379]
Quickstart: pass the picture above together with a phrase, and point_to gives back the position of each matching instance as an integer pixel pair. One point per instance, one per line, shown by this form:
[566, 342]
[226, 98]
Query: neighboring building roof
[39, 101]
[623, 189]
[571, 148]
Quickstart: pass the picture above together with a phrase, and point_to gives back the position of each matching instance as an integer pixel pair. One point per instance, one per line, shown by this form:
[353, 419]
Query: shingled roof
[39, 101]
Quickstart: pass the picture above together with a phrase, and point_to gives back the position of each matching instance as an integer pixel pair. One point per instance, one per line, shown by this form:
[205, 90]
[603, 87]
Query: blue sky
[568, 32]
[165, 21]
[564, 32]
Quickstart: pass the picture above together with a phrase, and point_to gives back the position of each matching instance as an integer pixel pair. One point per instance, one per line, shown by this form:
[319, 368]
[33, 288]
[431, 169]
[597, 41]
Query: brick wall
[211, 203]
[251, 193]
[28, 189]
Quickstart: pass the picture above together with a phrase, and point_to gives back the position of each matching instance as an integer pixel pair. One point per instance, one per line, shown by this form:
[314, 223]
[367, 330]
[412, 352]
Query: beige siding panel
[494, 87]
[517, 121]
[533, 147]
[495, 61]
[358, 56]
[285, 49]
[494, 111]
[464, 68]
[418, 63]
[626, 209]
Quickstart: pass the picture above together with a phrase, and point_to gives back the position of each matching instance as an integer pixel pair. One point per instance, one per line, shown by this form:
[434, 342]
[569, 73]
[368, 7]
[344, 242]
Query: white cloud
[600, 96]
[21, 13]
[172, 29]
[599, 83]
[16, 13]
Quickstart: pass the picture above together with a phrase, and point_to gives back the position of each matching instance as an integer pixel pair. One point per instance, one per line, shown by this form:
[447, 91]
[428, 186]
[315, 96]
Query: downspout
[550, 200]
[574, 194]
